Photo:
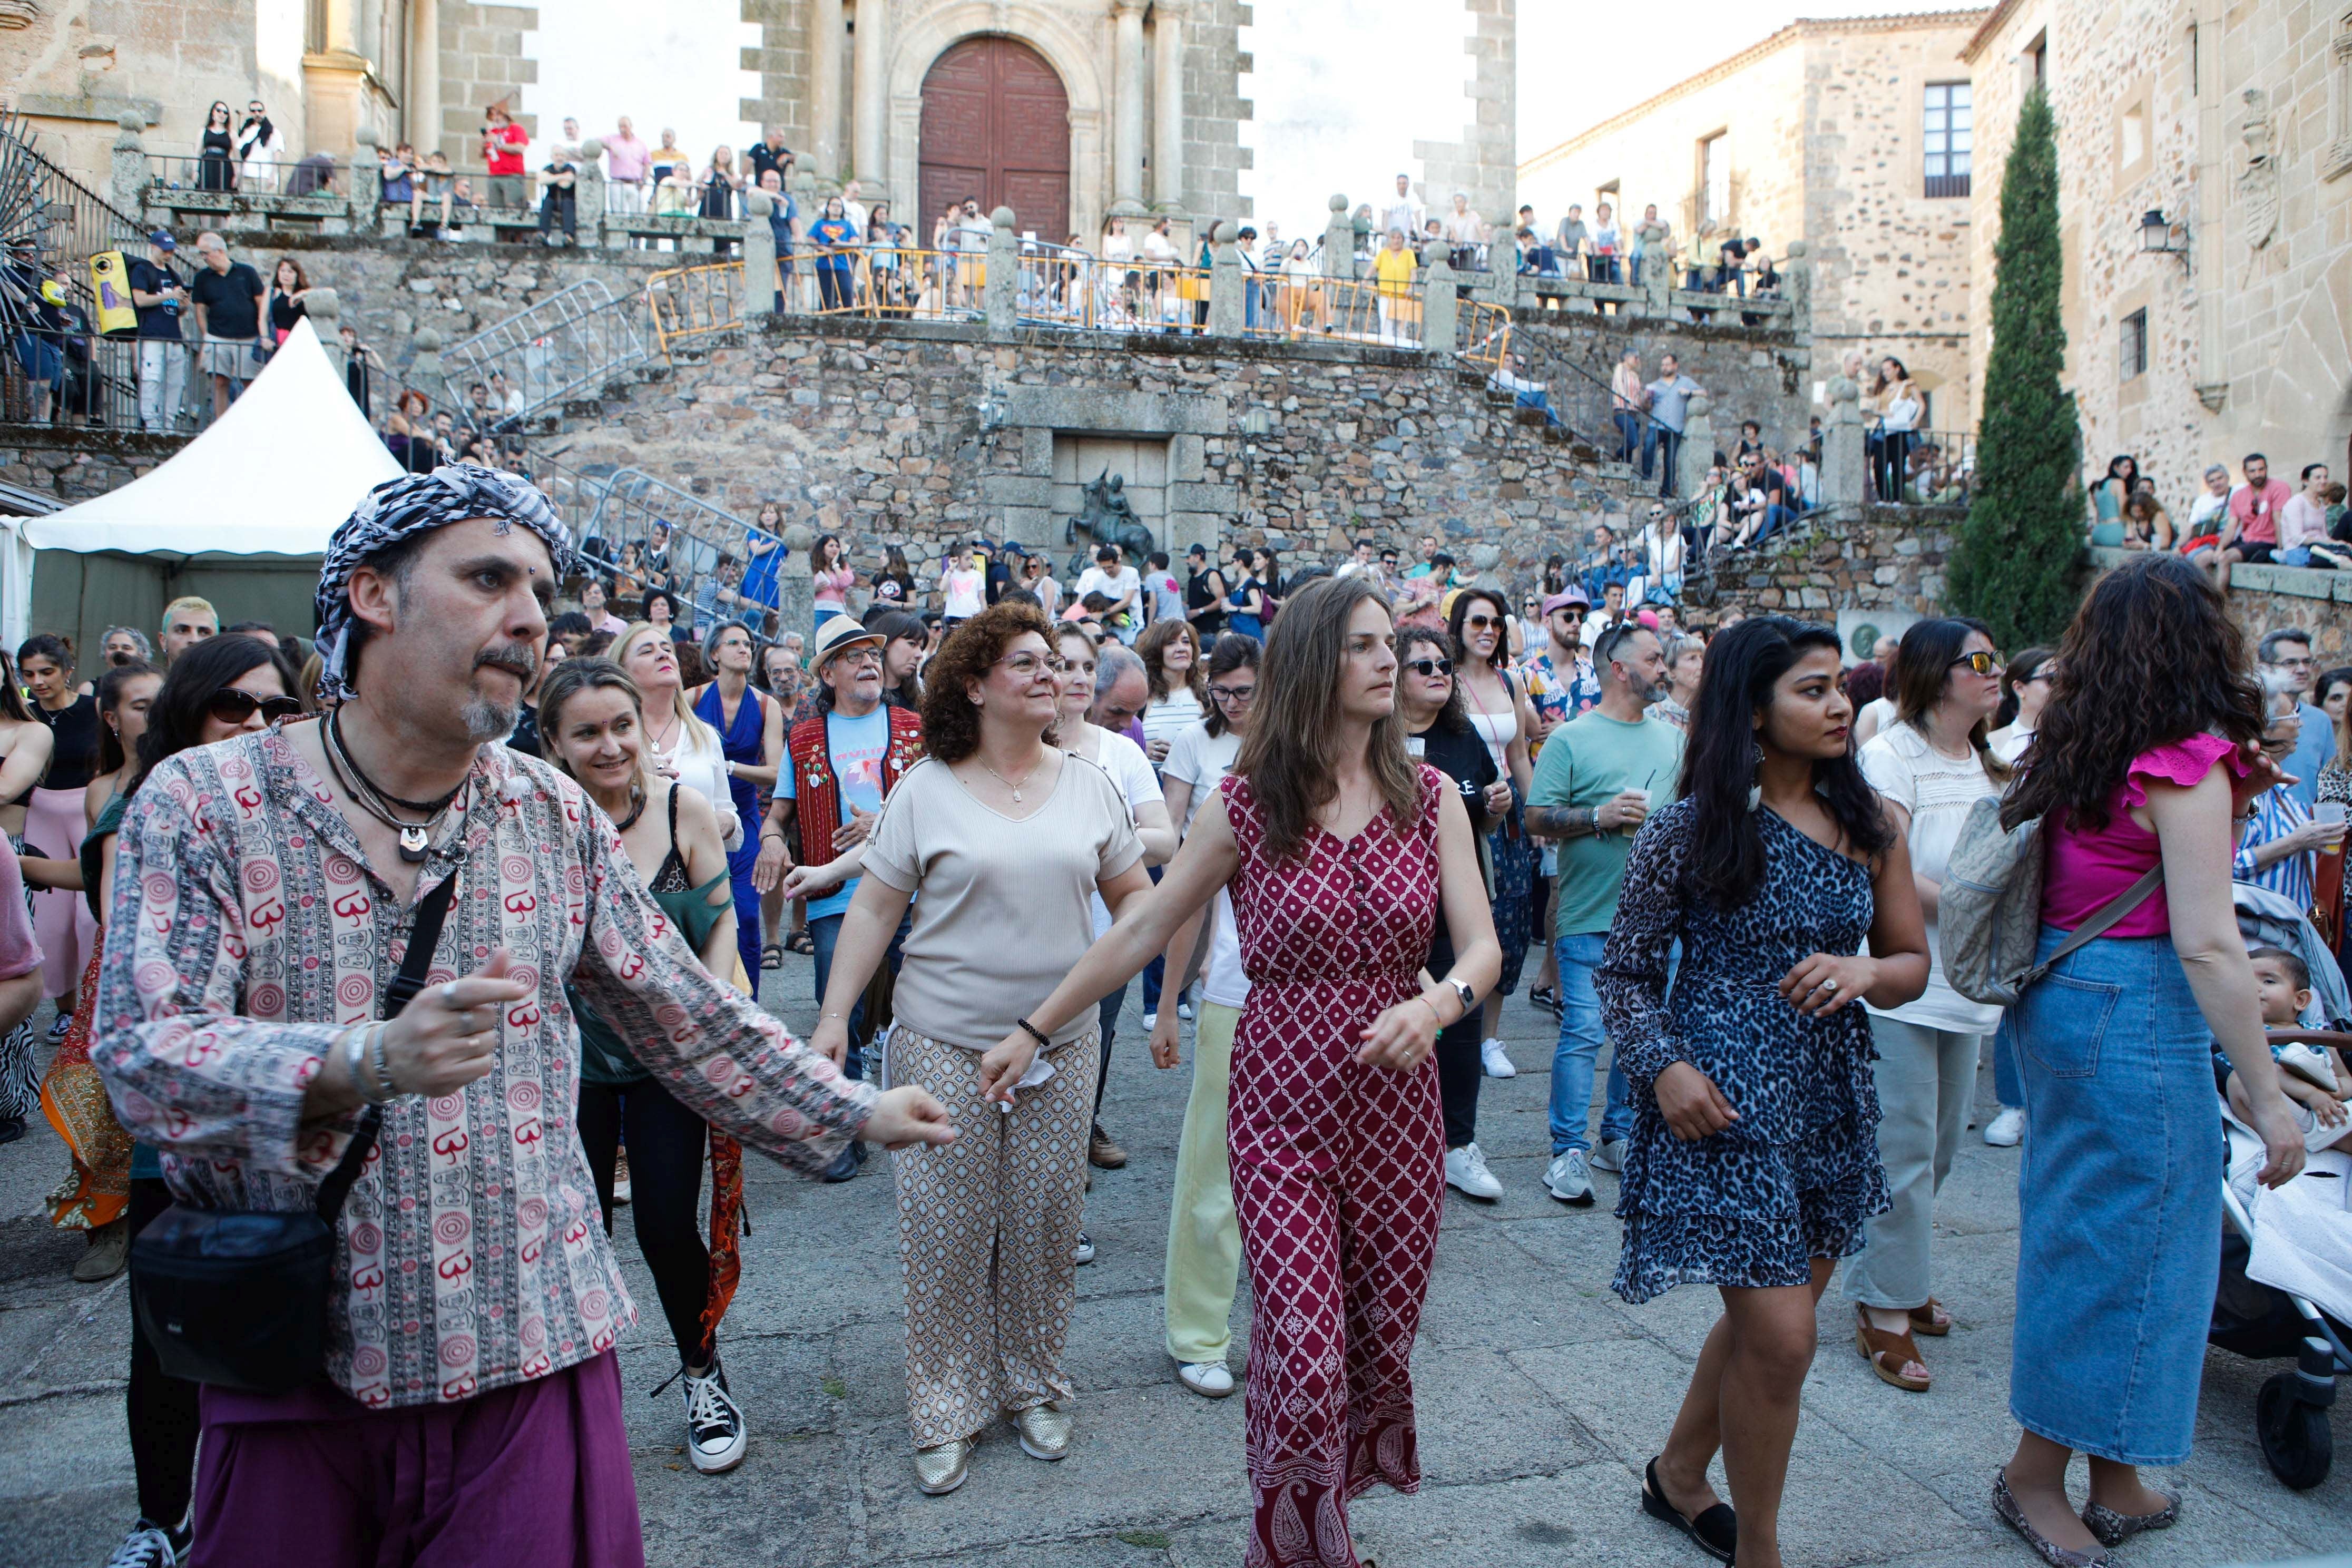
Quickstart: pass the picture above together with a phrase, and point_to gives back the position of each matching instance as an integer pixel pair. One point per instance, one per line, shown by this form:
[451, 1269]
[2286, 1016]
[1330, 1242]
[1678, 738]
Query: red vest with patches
[817, 793]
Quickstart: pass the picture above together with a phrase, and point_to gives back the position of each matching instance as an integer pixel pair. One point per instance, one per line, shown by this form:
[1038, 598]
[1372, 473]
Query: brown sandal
[1887, 1352]
[1924, 1319]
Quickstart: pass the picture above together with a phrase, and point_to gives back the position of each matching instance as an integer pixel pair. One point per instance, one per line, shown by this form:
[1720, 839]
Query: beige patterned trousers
[986, 1228]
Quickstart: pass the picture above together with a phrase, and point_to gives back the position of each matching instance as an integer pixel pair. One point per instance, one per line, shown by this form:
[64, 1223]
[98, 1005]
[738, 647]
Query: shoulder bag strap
[422, 940]
[2115, 910]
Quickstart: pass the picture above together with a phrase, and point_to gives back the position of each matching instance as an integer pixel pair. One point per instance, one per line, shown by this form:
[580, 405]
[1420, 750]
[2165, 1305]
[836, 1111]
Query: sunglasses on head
[1426, 667]
[231, 706]
[1982, 663]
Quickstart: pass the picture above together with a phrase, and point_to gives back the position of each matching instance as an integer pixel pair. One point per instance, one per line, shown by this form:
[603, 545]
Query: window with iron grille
[1950, 133]
[2131, 347]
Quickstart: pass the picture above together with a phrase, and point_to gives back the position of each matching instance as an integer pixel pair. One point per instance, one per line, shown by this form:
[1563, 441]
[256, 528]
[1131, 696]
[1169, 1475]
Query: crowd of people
[2258, 516]
[1325, 817]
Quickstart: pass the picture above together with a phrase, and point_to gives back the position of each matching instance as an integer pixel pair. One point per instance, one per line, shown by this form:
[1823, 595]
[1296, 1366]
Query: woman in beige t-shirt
[1006, 838]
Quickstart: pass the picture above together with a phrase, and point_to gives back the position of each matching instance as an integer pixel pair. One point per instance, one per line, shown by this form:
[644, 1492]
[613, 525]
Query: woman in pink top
[832, 577]
[2148, 750]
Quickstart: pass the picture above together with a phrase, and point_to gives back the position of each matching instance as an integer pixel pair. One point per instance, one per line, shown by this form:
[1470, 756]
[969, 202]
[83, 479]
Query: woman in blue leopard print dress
[1754, 1157]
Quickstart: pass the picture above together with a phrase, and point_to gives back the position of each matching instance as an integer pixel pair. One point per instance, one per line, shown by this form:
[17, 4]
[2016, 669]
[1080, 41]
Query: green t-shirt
[1589, 760]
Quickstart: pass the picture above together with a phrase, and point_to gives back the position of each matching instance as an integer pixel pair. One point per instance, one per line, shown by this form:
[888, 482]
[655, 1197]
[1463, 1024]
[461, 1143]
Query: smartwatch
[1469, 998]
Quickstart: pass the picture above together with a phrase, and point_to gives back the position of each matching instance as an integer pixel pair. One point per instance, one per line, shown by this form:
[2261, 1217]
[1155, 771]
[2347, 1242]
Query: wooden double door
[996, 128]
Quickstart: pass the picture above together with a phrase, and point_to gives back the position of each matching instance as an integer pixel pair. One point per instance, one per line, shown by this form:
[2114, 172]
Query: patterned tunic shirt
[470, 1255]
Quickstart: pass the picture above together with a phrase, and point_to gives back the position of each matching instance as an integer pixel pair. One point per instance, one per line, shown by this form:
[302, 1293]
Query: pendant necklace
[1007, 783]
[415, 837]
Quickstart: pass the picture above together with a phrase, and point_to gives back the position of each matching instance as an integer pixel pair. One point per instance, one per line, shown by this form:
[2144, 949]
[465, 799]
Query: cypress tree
[2018, 562]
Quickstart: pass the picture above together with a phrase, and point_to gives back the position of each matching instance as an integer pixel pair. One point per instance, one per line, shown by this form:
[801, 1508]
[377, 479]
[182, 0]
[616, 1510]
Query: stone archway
[2306, 405]
[1068, 46]
[996, 125]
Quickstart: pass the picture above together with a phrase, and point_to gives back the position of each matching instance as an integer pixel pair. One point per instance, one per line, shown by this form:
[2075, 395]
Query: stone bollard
[1697, 447]
[1338, 242]
[1844, 482]
[1001, 294]
[588, 189]
[760, 300]
[367, 181]
[1657, 279]
[425, 371]
[1440, 306]
[128, 179]
[1229, 311]
[1799, 270]
[796, 589]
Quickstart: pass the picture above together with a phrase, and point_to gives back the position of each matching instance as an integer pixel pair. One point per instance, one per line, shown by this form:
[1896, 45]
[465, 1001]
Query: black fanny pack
[239, 1297]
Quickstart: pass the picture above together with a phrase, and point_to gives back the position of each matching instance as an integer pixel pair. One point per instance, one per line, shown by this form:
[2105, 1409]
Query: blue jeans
[2007, 1087]
[1628, 434]
[1776, 518]
[826, 932]
[1657, 438]
[1578, 1056]
[1155, 974]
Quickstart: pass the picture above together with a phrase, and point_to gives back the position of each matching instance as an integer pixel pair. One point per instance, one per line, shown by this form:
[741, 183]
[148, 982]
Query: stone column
[796, 597]
[367, 181]
[1127, 138]
[1228, 310]
[1440, 306]
[870, 107]
[1001, 294]
[826, 34]
[1697, 453]
[1843, 483]
[423, 106]
[759, 257]
[588, 190]
[127, 180]
[1338, 242]
[1168, 106]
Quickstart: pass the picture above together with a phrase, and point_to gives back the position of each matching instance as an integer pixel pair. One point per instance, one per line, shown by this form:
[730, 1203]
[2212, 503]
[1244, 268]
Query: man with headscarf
[470, 1390]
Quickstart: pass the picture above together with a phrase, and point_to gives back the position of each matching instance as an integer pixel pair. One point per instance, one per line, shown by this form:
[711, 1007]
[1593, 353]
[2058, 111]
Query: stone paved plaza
[1540, 1393]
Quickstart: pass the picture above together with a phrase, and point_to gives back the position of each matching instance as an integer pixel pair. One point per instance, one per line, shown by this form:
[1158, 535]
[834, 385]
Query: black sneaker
[845, 1165]
[716, 1436]
[150, 1545]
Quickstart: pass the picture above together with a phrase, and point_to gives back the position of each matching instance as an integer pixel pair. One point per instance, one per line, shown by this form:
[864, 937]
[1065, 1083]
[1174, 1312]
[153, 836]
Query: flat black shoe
[844, 1167]
[11, 1129]
[1716, 1531]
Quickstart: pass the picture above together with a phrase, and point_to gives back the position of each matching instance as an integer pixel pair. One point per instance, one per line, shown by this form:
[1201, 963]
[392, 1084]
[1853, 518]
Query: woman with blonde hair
[1334, 1133]
[680, 746]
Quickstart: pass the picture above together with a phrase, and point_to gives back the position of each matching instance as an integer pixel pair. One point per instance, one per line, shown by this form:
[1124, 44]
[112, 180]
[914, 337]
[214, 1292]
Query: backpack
[1989, 919]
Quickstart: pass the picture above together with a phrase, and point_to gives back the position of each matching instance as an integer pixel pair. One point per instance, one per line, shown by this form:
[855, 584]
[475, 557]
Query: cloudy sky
[1343, 87]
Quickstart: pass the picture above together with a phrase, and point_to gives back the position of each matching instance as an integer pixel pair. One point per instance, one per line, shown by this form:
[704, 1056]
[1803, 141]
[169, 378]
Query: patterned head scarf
[400, 508]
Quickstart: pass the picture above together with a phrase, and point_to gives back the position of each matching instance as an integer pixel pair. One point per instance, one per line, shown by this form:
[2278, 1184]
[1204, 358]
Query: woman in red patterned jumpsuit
[1339, 852]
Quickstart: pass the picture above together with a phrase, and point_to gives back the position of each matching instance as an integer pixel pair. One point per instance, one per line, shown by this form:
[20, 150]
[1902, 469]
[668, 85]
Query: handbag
[239, 1298]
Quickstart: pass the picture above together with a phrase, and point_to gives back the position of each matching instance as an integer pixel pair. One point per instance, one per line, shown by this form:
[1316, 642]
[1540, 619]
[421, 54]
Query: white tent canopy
[273, 477]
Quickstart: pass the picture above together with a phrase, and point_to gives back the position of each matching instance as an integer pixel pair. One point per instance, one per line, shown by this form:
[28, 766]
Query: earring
[1756, 790]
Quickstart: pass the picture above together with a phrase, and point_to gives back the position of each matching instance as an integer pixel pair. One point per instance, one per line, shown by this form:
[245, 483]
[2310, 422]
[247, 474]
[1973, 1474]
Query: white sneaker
[1184, 1011]
[1497, 1063]
[1151, 1020]
[1567, 1179]
[1467, 1172]
[1611, 1155]
[716, 1435]
[1084, 1252]
[2007, 1130]
[1209, 1379]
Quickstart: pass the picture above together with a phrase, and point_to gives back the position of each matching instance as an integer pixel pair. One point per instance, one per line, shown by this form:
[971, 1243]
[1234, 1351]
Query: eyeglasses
[1982, 663]
[231, 706]
[872, 656]
[1480, 622]
[1232, 693]
[1025, 666]
[1431, 666]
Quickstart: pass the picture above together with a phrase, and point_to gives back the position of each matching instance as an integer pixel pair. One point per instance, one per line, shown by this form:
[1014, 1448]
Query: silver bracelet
[353, 1043]
[385, 1086]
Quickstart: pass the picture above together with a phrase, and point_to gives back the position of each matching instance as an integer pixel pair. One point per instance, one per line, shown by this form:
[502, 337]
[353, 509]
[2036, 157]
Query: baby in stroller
[2315, 1078]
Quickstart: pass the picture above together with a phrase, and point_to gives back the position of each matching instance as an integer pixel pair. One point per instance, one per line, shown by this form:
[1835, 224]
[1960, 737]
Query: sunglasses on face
[231, 706]
[1428, 667]
[1981, 663]
[1480, 622]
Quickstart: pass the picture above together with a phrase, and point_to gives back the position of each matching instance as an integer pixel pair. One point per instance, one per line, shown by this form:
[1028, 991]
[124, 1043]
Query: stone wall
[1882, 558]
[77, 465]
[482, 63]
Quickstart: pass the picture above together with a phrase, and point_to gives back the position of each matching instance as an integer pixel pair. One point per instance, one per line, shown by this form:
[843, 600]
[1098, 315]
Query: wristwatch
[1469, 998]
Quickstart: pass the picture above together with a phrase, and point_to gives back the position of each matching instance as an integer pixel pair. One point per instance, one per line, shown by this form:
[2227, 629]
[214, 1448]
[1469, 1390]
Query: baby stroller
[2260, 1321]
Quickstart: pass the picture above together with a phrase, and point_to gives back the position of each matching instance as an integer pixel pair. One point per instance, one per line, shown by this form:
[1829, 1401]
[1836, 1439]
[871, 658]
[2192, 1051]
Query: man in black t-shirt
[769, 153]
[227, 298]
[1758, 501]
[160, 298]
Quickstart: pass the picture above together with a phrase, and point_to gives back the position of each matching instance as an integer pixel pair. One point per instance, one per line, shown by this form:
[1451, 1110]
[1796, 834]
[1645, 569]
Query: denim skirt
[2119, 1202]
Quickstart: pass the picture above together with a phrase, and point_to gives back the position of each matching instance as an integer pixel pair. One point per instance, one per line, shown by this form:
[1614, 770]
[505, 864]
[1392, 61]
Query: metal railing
[1938, 468]
[685, 302]
[1307, 309]
[194, 170]
[1483, 335]
[575, 339]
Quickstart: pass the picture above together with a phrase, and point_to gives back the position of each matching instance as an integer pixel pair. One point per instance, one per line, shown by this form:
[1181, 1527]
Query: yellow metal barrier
[694, 301]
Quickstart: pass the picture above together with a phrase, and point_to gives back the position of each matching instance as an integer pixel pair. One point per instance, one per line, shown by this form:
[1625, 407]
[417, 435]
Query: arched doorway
[996, 125]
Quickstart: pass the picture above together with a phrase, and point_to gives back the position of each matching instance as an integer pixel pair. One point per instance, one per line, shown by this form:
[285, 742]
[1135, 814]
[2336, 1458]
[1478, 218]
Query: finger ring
[1830, 984]
[449, 994]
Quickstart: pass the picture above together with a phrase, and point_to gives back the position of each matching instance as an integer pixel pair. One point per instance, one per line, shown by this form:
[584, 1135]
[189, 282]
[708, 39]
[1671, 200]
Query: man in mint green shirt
[1598, 778]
